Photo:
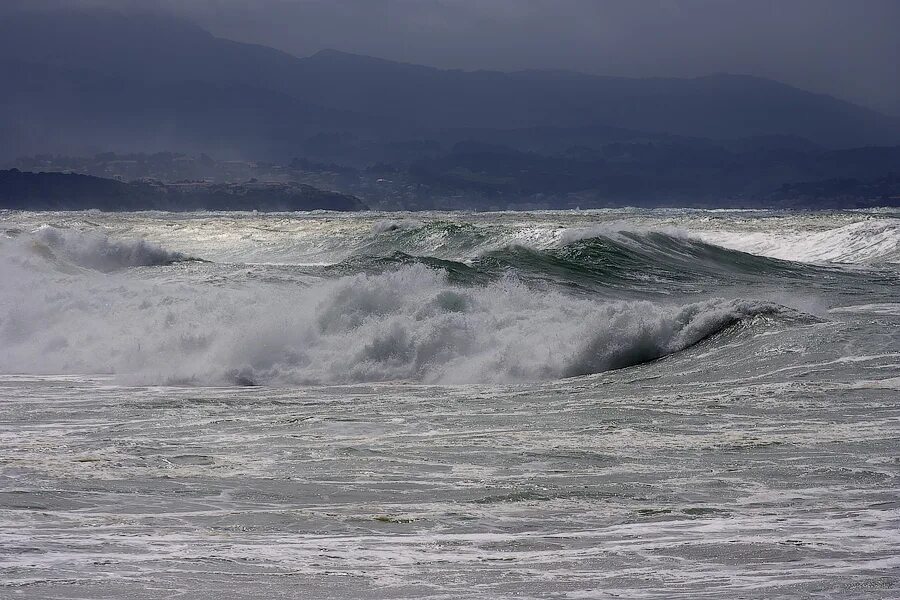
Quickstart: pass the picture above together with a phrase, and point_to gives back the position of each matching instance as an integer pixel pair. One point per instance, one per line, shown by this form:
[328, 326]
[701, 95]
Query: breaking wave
[78, 307]
[407, 324]
[870, 241]
[628, 258]
[595, 258]
[92, 250]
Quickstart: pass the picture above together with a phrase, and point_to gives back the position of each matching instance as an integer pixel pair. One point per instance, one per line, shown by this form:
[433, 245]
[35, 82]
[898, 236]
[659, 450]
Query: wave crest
[408, 324]
[97, 251]
[870, 241]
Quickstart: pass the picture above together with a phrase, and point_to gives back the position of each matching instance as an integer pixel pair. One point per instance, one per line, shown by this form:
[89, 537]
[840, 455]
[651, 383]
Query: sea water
[621, 404]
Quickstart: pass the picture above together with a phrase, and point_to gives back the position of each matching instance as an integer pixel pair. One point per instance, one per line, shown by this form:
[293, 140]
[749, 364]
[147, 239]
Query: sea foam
[408, 324]
[870, 241]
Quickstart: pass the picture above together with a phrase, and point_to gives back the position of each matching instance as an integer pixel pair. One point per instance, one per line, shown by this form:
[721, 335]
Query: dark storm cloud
[848, 48]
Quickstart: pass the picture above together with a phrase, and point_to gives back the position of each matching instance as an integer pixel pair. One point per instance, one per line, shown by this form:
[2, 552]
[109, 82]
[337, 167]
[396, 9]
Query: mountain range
[83, 81]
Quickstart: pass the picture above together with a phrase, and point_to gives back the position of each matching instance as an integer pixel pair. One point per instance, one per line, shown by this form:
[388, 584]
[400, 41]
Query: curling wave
[406, 324]
[641, 261]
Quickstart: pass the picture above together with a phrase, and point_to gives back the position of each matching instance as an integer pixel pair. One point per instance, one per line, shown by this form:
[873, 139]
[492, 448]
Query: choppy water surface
[631, 404]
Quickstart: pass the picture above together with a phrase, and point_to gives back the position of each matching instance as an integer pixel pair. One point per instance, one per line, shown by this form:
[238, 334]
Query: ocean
[585, 404]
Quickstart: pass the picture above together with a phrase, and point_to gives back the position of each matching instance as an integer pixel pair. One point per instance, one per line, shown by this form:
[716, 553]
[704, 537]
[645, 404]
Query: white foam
[890, 383]
[404, 325]
[881, 308]
[862, 242]
[94, 250]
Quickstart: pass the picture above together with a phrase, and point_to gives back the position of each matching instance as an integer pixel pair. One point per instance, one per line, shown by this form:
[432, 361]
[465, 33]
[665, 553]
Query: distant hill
[22, 190]
[718, 106]
[666, 173]
[58, 109]
[86, 81]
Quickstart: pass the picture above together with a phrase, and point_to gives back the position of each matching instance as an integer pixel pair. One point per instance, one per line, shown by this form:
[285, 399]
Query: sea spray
[406, 324]
[95, 250]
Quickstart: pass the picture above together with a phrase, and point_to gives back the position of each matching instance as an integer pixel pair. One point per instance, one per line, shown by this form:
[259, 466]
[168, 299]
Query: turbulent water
[622, 404]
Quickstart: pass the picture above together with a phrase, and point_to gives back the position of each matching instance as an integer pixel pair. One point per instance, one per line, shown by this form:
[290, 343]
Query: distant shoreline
[22, 190]
[54, 191]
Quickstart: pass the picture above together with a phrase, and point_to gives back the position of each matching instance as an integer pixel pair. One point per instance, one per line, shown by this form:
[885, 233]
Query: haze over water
[619, 403]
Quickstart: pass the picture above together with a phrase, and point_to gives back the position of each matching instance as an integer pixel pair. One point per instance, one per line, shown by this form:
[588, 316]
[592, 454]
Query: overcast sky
[848, 48]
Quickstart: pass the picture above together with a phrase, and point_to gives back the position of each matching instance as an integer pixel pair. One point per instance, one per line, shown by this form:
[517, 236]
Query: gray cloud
[848, 48]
